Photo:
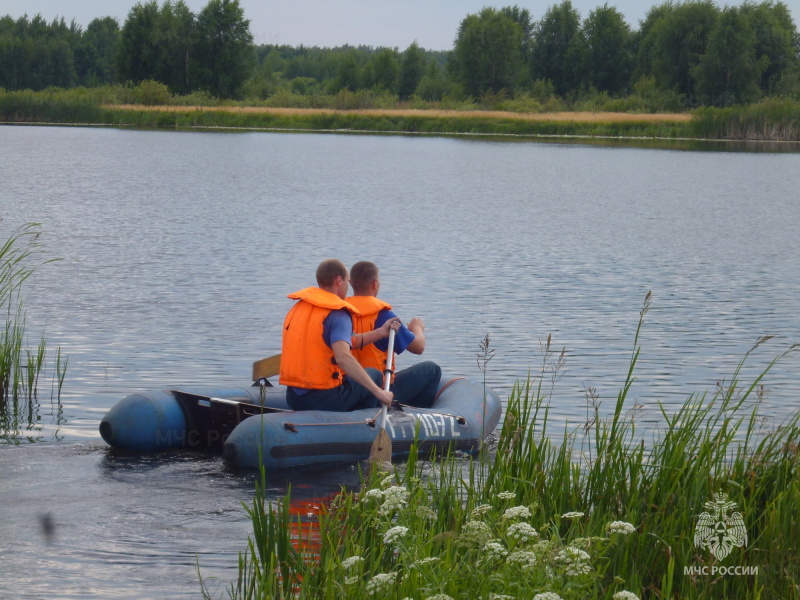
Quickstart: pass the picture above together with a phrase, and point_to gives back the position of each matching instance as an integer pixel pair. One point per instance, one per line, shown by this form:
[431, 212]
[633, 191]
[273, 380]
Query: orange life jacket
[306, 360]
[369, 307]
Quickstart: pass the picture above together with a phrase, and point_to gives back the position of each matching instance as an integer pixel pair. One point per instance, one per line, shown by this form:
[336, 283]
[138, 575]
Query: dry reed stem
[564, 117]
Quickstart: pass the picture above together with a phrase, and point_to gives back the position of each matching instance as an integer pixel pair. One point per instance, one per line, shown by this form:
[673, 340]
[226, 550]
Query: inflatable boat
[254, 424]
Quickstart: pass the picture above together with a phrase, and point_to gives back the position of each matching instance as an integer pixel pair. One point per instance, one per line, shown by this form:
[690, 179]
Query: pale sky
[394, 23]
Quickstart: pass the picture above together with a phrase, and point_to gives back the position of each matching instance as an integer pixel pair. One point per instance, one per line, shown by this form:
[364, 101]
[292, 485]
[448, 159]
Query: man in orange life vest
[317, 367]
[416, 385]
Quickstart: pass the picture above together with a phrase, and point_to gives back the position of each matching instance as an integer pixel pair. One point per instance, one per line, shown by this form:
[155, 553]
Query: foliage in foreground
[20, 366]
[600, 515]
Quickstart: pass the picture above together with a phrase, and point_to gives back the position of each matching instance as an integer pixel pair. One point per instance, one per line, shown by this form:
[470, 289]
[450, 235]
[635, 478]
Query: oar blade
[381, 448]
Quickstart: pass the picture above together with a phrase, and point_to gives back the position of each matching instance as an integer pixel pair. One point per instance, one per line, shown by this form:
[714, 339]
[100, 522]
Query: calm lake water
[178, 250]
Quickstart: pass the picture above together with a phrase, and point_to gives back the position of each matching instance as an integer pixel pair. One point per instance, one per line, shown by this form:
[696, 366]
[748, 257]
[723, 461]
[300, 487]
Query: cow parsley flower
[381, 583]
[500, 597]
[439, 597]
[575, 560]
[394, 498]
[523, 559]
[620, 527]
[495, 550]
[476, 532]
[373, 493]
[349, 562]
[480, 510]
[424, 561]
[547, 596]
[426, 513]
[394, 534]
[517, 512]
[572, 515]
[522, 532]
[625, 595]
[507, 495]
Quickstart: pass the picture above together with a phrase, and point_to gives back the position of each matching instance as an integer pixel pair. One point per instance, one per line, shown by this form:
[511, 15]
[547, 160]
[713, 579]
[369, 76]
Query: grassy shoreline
[768, 121]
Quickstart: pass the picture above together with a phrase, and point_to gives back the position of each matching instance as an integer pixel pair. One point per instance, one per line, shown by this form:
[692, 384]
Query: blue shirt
[402, 338]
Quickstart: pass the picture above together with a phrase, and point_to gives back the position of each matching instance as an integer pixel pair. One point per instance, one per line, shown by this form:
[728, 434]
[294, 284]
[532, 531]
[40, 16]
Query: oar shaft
[387, 374]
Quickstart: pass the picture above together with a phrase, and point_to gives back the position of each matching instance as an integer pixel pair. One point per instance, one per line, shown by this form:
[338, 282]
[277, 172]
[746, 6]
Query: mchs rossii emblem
[719, 531]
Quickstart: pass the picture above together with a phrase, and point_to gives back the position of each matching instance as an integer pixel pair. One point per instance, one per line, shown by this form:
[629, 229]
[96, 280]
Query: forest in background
[683, 55]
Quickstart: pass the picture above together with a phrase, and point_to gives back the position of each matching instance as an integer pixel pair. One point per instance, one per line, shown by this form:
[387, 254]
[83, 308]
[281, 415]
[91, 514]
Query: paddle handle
[387, 374]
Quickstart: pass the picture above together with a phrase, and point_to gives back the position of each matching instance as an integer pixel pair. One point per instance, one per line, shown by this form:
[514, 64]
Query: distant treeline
[683, 55]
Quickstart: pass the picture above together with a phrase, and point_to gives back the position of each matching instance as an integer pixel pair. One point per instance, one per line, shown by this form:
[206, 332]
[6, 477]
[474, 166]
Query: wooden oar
[267, 367]
[382, 446]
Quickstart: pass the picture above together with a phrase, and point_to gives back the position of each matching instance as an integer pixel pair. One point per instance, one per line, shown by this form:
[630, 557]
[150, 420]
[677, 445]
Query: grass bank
[149, 107]
[706, 510]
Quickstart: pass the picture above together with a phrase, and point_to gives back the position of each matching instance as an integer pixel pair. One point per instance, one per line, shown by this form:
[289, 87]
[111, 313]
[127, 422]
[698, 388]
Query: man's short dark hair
[362, 275]
[328, 270]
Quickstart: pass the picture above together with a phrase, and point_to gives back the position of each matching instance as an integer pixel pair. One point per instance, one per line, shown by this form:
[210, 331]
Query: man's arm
[348, 363]
[417, 327]
[370, 337]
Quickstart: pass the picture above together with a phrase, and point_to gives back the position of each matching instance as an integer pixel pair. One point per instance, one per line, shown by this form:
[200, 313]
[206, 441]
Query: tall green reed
[600, 513]
[20, 366]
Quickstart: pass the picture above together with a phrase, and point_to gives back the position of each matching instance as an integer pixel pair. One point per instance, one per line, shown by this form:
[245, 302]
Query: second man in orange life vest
[317, 367]
[414, 386]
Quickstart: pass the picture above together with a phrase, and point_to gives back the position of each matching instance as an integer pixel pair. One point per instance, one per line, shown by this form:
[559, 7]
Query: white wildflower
[394, 534]
[572, 515]
[351, 580]
[620, 527]
[517, 512]
[476, 532]
[439, 597]
[394, 498]
[507, 495]
[495, 550]
[425, 512]
[587, 542]
[523, 559]
[500, 597]
[388, 480]
[381, 583]
[373, 494]
[425, 561]
[349, 562]
[481, 509]
[625, 595]
[575, 560]
[522, 532]
[547, 596]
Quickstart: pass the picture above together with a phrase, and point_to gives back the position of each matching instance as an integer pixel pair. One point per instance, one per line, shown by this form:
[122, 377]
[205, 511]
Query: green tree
[95, 60]
[174, 37]
[139, 54]
[348, 72]
[383, 70]
[644, 43]
[554, 56]
[609, 59]
[224, 48]
[412, 68]
[676, 42]
[488, 53]
[776, 41]
[729, 71]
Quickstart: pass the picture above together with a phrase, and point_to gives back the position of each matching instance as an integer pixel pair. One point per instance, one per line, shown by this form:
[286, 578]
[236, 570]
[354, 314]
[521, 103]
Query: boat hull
[458, 420]
[253, 425]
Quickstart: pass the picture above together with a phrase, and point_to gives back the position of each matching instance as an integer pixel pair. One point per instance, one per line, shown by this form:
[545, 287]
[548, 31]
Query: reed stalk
[20, 367]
